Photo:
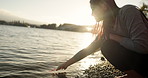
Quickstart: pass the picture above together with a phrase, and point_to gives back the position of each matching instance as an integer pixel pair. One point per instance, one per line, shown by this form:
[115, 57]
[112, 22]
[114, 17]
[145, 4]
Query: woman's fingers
[61, 67]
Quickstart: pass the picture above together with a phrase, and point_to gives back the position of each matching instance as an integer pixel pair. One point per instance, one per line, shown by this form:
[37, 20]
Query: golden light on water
[91, 59]
[86, 39]
[87, 62]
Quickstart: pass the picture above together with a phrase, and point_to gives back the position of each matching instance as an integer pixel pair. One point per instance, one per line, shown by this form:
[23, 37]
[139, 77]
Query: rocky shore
[104, 70]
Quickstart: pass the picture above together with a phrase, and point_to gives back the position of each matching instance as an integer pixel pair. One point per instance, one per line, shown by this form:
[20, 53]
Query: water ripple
[31, 52]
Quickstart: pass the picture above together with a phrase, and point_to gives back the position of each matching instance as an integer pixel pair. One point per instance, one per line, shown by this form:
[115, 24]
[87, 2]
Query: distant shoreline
[64, 27]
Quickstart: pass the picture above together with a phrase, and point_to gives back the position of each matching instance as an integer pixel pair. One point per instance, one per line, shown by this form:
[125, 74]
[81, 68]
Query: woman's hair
[110, 3]
[103, 27]
[95, 2]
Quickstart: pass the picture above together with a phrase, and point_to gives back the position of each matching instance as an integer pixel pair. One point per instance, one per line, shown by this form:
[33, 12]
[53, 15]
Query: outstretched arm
[95, 45]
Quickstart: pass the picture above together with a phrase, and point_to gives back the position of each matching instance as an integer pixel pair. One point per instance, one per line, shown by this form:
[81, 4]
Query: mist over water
[33, 53]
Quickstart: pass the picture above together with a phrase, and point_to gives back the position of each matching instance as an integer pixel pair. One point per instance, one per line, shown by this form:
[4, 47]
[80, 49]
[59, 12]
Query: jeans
[124, 59]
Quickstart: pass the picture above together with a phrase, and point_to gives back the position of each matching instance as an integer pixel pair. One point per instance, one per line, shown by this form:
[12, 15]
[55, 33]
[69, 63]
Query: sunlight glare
[86, 39]
[89, 28]
[85, 20]
[87, 62]
[82, 16]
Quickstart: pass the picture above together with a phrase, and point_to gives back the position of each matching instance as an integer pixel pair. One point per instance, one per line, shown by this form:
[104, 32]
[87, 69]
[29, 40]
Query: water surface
[33, 53]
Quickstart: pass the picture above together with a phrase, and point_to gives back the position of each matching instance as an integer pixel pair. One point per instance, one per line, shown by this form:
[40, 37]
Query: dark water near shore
[33, 53]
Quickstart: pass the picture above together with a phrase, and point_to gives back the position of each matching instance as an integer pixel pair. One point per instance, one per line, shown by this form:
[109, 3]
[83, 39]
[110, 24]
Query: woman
[122, 38]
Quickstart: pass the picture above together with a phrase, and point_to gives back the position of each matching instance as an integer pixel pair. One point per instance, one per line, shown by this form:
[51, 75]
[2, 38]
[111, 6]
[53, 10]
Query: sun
[89, 28]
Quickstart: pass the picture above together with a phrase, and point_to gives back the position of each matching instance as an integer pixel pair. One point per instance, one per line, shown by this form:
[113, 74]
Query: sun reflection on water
[86, 39]
[91, 60]
[86, 63]
[94, 59]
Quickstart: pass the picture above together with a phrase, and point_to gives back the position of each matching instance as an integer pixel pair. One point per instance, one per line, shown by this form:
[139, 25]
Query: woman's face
[99, 12]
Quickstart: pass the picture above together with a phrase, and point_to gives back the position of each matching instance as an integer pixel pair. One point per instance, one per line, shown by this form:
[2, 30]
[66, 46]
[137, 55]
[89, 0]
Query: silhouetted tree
[52, 26]
[2, 22]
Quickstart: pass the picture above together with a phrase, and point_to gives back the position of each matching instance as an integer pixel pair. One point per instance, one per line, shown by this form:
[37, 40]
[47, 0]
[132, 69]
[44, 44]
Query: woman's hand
[62, 66]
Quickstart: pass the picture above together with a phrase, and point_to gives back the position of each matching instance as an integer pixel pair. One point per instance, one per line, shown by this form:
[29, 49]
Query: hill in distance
[7, 16]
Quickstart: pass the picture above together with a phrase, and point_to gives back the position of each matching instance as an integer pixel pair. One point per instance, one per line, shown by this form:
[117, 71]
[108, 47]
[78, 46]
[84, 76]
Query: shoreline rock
[104, 70]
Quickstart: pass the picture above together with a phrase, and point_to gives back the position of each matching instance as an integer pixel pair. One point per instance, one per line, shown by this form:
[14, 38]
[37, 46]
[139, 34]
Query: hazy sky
[58, 11]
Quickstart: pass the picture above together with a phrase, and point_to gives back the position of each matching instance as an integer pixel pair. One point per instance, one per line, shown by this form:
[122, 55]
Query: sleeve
[138, 40]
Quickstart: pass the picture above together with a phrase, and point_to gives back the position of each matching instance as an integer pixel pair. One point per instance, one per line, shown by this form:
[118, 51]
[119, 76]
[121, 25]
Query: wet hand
[63, 66]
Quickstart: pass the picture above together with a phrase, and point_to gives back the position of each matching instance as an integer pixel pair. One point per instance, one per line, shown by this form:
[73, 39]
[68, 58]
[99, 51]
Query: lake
[34, 53]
